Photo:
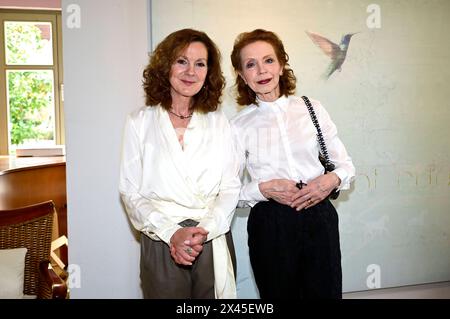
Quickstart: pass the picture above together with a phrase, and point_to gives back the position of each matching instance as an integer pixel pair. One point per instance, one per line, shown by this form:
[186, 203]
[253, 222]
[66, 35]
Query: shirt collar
[281, 103]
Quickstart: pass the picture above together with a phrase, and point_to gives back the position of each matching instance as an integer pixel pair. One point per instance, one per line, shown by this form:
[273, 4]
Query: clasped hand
[286, 192]
[186, 244]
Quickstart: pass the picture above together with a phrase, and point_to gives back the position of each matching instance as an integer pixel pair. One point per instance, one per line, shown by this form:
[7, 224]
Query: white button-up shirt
[279, 140]
[162, 184]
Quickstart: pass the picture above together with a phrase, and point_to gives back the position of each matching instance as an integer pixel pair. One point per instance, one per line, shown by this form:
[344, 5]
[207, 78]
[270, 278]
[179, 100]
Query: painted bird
[337, 53]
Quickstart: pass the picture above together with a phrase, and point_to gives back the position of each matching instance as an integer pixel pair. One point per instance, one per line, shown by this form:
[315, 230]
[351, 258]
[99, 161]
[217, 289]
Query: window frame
[53, 16]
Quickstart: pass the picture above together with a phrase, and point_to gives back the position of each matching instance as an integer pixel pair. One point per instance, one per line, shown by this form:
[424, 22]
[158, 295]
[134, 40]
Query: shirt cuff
[251, 192]
[167, 233]
[342, 174]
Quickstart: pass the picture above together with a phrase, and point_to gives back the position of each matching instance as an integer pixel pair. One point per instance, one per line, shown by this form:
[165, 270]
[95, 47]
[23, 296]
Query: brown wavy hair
[156, 75]
[245, 94]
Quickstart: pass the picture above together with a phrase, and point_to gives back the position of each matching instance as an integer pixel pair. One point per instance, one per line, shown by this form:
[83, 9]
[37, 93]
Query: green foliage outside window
[29, 92]
[29, 95]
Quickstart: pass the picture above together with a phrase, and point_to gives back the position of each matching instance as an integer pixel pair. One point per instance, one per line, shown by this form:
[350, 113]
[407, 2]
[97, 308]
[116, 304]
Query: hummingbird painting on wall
[337, 53]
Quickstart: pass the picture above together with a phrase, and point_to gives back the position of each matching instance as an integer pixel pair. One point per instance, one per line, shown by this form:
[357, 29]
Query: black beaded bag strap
[325, 160]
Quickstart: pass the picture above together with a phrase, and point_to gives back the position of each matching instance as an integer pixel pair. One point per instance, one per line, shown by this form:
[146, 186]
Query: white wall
[103, 64]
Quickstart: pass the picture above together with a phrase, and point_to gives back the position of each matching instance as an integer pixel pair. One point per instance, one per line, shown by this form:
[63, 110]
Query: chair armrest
[51, 286]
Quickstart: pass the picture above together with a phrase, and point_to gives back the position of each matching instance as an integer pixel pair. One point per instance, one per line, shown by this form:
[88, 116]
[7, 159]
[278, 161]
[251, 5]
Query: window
[31, 108]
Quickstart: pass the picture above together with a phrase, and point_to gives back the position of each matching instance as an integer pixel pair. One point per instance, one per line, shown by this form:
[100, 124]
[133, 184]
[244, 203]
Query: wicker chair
[31, 227]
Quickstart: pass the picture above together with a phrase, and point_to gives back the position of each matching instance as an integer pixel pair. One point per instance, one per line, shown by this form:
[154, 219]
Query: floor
[439, 290]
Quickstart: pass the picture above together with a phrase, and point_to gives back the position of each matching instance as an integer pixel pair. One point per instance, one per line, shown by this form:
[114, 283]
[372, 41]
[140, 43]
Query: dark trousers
[162, 278]
[295, 255]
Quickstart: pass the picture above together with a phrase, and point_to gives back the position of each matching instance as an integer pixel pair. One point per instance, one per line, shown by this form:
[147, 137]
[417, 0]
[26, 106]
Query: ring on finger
[188, 250]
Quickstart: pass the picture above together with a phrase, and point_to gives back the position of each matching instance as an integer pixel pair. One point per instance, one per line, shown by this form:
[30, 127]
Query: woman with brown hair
[179, 173]
[293, 235]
